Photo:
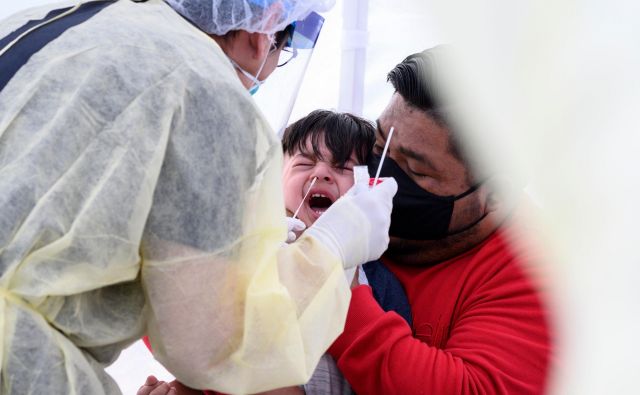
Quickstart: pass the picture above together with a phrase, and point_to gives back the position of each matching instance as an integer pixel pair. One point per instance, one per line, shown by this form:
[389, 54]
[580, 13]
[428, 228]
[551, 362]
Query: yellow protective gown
[140, 191]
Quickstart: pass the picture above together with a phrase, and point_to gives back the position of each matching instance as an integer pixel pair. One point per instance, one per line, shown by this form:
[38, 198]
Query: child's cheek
[291, 201]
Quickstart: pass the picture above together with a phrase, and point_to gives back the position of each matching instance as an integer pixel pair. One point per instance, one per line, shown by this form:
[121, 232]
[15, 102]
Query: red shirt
[478, 327]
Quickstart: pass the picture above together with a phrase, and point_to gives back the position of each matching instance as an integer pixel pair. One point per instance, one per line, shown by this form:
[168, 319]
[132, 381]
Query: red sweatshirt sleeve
[498, 344]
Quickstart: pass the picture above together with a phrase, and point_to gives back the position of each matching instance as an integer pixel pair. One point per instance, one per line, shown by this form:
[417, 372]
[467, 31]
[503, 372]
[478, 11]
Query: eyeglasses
[286, 55]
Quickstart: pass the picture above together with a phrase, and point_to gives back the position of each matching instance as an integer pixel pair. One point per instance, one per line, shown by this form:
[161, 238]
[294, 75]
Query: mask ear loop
[254, 78]
[469, 191]
[474, 223]
[466, 228]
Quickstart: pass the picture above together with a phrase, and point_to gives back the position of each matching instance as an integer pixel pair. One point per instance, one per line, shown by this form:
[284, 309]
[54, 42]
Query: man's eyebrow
[417, 156]
[412, 154]
[407, 151]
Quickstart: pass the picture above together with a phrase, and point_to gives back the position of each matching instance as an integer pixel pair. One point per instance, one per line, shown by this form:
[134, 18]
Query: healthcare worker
[140, 192]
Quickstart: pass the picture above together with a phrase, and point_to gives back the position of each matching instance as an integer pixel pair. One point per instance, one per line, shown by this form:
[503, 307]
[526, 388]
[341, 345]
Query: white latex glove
[356, 226]
[294, 225]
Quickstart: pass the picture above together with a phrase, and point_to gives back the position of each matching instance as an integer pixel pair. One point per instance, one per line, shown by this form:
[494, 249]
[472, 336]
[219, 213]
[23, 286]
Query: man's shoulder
[488, 261]
[505, 264]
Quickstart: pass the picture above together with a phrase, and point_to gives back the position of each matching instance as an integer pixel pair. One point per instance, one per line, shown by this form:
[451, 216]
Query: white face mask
[254, 78]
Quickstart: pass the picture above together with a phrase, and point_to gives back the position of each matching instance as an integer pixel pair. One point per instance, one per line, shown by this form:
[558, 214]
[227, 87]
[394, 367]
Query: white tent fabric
[557, 84]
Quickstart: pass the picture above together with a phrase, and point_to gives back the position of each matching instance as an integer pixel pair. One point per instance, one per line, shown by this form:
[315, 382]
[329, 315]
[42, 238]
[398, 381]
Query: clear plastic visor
[277, 95]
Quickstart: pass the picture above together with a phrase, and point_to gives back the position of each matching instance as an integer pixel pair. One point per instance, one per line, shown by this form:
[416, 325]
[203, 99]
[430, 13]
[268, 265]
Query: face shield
[277, 95]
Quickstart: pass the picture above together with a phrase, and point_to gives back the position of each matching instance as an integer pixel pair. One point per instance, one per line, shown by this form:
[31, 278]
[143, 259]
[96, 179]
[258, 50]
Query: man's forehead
[411, 124]
[397, 107]
[416, 136]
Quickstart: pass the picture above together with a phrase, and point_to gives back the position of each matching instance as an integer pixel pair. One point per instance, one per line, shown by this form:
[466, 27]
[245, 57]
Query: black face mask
[418, 214]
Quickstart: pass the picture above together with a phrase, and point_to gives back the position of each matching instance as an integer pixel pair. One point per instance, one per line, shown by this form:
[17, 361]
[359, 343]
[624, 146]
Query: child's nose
[323, 171]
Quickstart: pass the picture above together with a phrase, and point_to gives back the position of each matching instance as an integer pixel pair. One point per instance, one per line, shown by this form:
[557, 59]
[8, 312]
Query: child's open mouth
[319, 202]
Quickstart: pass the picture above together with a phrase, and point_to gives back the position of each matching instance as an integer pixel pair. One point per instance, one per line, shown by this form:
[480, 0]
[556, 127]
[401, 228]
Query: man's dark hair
[416, 80]
[342, 134]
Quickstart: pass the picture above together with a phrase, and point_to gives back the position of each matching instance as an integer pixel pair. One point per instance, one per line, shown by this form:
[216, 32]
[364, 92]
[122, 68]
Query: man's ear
[501, 192]
[259, 44]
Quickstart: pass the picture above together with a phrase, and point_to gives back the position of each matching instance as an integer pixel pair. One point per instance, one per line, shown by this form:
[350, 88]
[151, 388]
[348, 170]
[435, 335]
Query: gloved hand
[294, 225]
[356, 226]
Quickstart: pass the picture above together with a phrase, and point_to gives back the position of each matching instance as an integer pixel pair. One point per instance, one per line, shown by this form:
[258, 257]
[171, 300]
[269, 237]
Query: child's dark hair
[342, 134]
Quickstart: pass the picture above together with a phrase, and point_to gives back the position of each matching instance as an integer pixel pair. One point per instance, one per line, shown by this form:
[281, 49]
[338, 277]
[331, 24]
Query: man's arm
[498, 344]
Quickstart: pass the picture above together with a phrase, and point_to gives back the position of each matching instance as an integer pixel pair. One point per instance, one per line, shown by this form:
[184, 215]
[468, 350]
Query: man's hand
[155, 387]
[182, 389]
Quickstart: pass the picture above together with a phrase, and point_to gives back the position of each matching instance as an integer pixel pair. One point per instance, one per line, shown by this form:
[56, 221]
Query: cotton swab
[305, 196]
[384, 153]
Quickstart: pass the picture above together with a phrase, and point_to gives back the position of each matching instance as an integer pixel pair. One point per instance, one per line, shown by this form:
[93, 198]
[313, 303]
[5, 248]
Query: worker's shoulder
[490, 262]
[157, 45]
[18, 19]
[153, 30]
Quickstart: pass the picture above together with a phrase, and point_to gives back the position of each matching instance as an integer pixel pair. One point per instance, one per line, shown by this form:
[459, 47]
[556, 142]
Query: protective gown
[140, 192]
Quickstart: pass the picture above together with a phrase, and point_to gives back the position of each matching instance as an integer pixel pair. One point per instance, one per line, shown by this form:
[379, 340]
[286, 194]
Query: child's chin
[308, 220]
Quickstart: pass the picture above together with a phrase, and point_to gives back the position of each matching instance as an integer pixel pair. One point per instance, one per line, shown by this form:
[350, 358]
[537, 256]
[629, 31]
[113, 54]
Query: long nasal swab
[384, 154]
[305, 196]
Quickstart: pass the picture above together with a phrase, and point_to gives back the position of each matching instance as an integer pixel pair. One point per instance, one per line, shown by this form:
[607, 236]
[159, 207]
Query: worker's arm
[232, 308]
